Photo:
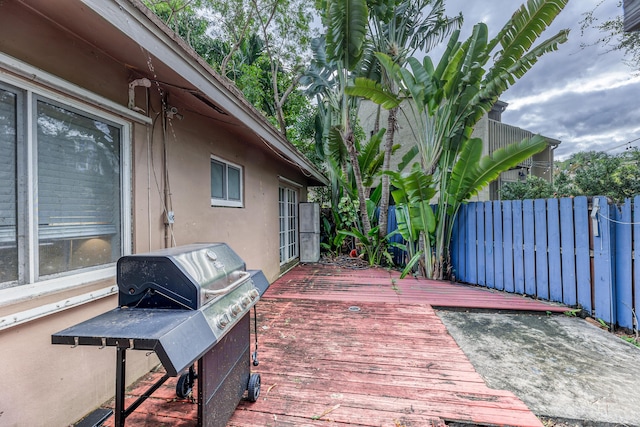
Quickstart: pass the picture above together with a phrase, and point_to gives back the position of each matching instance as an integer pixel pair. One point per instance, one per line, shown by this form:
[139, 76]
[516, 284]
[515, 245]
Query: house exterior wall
[49, 385]
[631, 15]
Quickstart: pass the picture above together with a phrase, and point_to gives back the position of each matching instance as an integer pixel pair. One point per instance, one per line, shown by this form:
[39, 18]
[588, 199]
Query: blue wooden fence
[574, 251]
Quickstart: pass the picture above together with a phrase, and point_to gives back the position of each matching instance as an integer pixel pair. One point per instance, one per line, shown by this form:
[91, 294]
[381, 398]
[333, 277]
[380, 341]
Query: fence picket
[603, 271]
[498, 254]
[568, 252]
[460, 244]
[542, 263]
[472, 245]
[528, 221]
[583, 257]
[482, 268]
[518, 246]
[636, 260]
[553, 245]
[623, 265]
[488, 248]
[507, 246]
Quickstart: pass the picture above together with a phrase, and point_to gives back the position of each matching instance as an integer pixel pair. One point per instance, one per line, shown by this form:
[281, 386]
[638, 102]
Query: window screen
[8, 192]
[218, 180]
[78, 190]
[288, 211]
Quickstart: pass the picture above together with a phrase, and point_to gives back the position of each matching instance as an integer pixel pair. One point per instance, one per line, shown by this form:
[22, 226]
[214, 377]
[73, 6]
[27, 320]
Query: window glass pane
[288, 200]
[8, 215]
[78, 190]
[234, 183]
[218, 182]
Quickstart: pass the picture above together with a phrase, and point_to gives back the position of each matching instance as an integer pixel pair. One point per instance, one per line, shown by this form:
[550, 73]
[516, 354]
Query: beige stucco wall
[47, 385]
[252, 231]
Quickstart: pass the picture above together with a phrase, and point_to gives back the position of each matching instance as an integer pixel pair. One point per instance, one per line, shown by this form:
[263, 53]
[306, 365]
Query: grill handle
[243, 277]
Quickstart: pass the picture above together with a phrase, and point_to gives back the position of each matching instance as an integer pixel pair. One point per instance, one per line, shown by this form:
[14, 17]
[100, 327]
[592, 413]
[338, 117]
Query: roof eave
[133, 18]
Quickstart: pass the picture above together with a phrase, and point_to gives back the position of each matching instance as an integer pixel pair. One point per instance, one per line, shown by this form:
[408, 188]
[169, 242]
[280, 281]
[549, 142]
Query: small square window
[226, 183]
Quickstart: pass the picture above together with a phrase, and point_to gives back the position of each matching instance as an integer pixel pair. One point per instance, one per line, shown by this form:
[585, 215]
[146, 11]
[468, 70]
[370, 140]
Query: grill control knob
[212, 255]
[222, 321]
[235, 309]
[246, 301]
[254, 294]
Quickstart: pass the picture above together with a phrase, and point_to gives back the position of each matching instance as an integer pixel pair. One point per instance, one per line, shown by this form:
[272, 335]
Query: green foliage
[343, 215]
[371, 244]
[587, 173]
[412, 194]
[333, 240]
[594, 173]
[475, 173]
[346, 30]
[533, 188]
[573, 313]
[265, 69]
[347, 213]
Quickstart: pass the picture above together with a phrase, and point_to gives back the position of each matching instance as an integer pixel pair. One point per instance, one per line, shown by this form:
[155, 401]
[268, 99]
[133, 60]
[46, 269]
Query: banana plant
[446, 101]
[399, 28]
[412, 194]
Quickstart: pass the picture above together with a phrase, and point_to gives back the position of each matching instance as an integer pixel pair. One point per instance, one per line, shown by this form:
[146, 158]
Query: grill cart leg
[121, 412]
[121, 367]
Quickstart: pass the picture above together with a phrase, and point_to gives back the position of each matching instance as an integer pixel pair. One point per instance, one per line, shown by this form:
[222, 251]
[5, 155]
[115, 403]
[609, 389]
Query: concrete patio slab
[559, 366]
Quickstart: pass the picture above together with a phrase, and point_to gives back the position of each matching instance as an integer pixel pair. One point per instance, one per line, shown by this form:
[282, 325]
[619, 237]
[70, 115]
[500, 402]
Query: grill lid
[177, 277]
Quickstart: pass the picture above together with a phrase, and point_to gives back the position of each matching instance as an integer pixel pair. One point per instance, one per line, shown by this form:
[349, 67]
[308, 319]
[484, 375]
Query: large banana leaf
[471, 173]
[516, 39]
[408, 157]
[415, 190]
[346, 31]
[374, 91]
[525, 26]
[371, 158]
[498, 80]
[335, 146]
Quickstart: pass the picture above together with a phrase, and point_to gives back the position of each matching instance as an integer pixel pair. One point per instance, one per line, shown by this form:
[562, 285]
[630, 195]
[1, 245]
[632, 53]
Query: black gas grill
[186, 304]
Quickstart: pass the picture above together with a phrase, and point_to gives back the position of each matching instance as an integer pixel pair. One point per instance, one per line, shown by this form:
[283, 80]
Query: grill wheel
[184, 386]
[253, 389]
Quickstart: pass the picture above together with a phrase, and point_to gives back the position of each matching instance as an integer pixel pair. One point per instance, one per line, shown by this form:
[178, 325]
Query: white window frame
[288, 245]
[40, 84]
[226, 202]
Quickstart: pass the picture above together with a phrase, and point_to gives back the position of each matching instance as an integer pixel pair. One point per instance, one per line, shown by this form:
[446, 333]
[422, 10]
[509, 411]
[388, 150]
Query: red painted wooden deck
[391, 363]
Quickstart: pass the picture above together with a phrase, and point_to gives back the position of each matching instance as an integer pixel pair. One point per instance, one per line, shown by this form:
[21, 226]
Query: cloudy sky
[587, 98]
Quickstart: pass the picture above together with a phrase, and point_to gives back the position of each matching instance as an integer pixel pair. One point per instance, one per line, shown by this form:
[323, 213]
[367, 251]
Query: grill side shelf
[179, 337]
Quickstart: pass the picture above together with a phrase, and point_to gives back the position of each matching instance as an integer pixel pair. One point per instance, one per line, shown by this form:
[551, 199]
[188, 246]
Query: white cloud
[601, 82]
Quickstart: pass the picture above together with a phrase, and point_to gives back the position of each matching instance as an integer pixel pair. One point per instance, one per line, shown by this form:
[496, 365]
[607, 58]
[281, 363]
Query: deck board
[311, 281]
[391, 363]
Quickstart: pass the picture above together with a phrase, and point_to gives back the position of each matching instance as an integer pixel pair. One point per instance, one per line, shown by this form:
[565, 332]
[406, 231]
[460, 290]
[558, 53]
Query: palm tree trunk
[392, 121]
[353, 156]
